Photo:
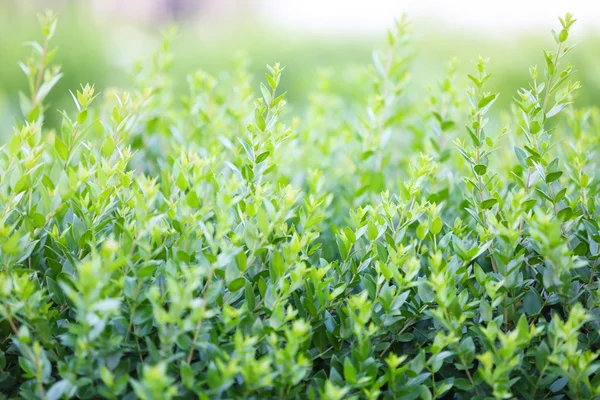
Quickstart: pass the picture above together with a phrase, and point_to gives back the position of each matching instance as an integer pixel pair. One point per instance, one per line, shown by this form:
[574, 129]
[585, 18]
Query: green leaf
[60, 389]
[349, 371]
[480, 169]
[552, 176]
[262, 157]
[372, 231]
[82, 116]
[558, 385]
[565, 214]
[187, 375]
[56, 292]
[563, 35]
[488, 203]
[192, 199]
[425, 292]
[480, 275]
[448, 125]
[262, 222]
[436, 226]
[556, 109]
[259, 120]
[485, 310]
[271, 81]
[521, 156]
[487, 100]
[249, 296]
[278, 264]
[266, 94]
[181, 182]
[248, 149]
[237, 284]
[61, 148]
[531, 303]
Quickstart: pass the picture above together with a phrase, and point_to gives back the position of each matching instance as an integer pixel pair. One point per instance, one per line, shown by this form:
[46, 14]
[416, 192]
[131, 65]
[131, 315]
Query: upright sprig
[443, 104]
[533, 103]
[41, 75]
[478, 151]
[384, 112]
[262, 138]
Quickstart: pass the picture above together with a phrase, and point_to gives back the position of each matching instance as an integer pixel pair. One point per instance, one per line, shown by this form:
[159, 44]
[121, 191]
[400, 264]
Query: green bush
[163, 247]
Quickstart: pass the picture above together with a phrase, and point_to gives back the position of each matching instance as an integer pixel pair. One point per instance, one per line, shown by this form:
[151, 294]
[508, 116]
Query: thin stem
[527, 183]
[593, 271]
[199, 325]
[550, 79]
[481, 188]
[40, 74]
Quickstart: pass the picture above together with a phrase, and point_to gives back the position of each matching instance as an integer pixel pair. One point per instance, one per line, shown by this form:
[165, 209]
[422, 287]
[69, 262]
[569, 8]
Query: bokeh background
[99, 40]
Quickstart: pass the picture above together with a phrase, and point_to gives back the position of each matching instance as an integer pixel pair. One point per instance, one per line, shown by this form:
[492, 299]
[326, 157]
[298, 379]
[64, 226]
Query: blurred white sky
[493, 16]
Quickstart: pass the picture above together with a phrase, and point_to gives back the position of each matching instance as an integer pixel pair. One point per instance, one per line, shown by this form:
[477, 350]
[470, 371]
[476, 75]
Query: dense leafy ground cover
[212, 246]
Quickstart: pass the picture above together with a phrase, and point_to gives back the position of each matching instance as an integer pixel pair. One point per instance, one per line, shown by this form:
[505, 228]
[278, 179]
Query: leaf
[237, 284]
[565, 214]
[521, 156]
[56, 292]
[192, 199]
[560, 195]
[259, 120]
[276, 101]
[480, 169]
[372, 231]
[436, 226]
[467, 349]
[271, 81]
[247, 148]
[61, 148]
[476, 81]
[487, 204]
[485, 311]
[60, 389]
[32, 245]
[480, 275]
[249, 296]
[266, 94]
[552, 176]
[82, 117]
[487, 100]
[425, 293]
[556, 109]
[349, 371]
[448, 125]
[377, 64]
[441, 356]
[581, 249]
[531, 303]
[262, 222]
[558, 384]
[278, 264]
[262, 157]
[187, 375]
[181, 182]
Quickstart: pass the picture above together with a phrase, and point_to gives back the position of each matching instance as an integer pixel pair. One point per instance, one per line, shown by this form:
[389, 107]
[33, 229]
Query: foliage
[210, 246]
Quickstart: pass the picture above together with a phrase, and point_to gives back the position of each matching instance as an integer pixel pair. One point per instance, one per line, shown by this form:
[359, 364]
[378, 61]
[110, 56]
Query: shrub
[161, 247]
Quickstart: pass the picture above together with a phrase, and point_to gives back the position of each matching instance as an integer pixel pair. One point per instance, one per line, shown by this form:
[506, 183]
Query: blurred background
[99, 40]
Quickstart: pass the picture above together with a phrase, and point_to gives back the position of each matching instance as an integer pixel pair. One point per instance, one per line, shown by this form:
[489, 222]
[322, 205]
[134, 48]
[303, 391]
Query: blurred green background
[100, 44]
